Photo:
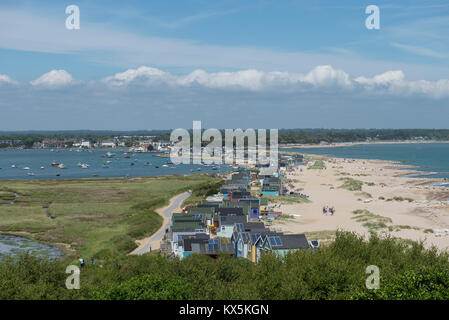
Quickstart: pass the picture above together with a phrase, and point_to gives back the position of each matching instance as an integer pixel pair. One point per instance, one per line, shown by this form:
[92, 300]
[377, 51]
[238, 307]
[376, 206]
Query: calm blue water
[119, 166]
[432, 157]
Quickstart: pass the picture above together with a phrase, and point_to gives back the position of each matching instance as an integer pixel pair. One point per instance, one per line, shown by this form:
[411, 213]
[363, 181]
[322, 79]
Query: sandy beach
[386, 202]
[346, 144]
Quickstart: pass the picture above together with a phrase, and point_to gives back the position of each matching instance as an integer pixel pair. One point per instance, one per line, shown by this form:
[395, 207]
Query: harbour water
[14, 164]
[426, 157]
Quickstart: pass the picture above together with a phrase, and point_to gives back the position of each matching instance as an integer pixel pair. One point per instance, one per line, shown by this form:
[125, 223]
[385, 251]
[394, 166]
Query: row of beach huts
[232, 222]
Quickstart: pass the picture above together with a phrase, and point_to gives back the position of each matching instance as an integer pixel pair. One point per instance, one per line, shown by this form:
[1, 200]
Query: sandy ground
[428, 211]
[332, 145]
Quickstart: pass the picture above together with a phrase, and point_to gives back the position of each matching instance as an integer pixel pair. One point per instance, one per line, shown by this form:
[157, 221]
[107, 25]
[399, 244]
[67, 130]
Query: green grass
[324, 235]
[318, 164]
[351, 184]
[402, 227]
[400, 199]
[285, 199]
[370, 220]
[91, 216]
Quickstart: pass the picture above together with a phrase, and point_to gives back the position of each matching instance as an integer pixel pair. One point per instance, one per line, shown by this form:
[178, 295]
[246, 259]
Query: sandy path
[154, 241]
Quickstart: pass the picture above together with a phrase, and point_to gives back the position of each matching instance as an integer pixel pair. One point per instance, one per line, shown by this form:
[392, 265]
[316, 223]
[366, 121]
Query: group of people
[82, 263]
[327, 210]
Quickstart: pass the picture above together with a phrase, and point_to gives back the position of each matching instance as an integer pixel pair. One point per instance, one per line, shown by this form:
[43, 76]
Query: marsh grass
[91, 216]
[370, 220]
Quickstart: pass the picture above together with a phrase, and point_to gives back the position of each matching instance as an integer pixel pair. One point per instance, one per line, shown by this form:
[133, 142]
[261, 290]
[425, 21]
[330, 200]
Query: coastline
[355, 143]
[369, 195]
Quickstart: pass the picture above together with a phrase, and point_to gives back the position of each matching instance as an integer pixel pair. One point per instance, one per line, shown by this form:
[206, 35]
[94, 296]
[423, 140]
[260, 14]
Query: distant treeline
[300, 136]
[305, 136]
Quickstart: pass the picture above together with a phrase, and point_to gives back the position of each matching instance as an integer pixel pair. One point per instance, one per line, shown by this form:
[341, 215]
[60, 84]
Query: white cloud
[251, 79]
[142, 73]
[6, 79]
[386, 78]
[326, 76]
[53, 79]
[321, 78]
[395, 83]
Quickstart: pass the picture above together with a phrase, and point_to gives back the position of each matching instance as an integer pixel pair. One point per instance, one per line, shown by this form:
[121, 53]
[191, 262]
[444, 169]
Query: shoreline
[355, 143]
[369, 195]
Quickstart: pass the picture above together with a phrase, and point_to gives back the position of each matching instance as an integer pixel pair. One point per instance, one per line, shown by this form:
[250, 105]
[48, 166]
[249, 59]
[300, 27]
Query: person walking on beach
[81, 262]
[324, 210]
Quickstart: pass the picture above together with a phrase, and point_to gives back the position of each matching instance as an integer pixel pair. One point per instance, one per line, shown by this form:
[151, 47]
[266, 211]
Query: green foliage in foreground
[336, 271]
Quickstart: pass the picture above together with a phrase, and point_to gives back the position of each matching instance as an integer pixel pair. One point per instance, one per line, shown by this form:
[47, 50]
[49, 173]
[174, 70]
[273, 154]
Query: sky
[135, 65]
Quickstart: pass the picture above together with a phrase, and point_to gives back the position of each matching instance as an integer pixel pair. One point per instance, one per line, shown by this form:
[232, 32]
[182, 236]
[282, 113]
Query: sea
[430, 158]
[14, 164]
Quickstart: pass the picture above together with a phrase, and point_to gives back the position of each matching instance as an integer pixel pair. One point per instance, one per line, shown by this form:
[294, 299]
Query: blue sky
[268, 64]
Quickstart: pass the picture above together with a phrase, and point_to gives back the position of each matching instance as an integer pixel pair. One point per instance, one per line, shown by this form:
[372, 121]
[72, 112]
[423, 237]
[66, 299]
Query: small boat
[13, 166]
[26, 168]
[127, 157]
[214, 168]
[42, 168]
[54, 164]
[157, 167]
[57, 174]
[95, 175]
[62, 166]
[147, 164]
[84, 166]
[108, 155]
[31, 174]
[164, 166]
